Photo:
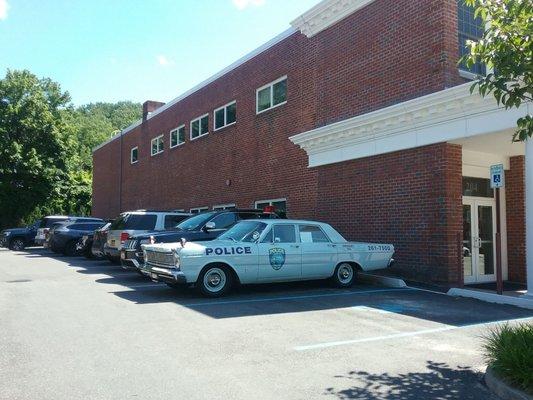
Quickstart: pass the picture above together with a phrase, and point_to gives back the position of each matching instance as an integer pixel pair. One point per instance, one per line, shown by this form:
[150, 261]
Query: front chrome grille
[159, 259]
[130, 244]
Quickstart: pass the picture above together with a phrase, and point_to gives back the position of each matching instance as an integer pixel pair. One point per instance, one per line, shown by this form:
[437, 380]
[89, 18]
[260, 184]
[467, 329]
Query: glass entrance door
[479, 234]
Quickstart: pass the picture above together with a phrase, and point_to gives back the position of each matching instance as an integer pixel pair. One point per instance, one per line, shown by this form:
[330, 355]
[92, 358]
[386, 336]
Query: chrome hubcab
[215, 280]
[345, 273]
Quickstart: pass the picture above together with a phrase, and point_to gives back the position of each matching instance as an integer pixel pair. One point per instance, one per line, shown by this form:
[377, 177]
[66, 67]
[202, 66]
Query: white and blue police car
[263, 251]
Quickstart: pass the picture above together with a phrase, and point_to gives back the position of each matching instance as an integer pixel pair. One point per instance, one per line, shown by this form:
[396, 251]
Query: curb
[382, 280]
[502, 389]
[492, 297]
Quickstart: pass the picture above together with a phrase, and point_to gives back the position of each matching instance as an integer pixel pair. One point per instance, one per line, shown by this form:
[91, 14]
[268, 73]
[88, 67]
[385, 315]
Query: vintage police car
[261, 251]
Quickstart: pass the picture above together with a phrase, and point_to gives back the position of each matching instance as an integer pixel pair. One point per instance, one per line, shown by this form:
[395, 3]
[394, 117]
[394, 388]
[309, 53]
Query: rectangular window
[198, 210]
[226, 115]
[280, 206]
[224, 207]
[157, 145]
[200, 126]
[272, 95]
[312, 234]
[284, 234]
[134, 155]
[477, 187]
[470, 28]
[177, 136]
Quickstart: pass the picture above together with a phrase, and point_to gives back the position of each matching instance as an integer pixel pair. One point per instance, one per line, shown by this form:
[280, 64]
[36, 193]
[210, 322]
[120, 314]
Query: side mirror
[277, 240]
[210, 225]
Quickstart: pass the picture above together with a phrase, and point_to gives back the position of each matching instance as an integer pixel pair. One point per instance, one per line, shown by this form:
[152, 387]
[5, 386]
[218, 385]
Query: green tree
[33, 155]
[506, 48]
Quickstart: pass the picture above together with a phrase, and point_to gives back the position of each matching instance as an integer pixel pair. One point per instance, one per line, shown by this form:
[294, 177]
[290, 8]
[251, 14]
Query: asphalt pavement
[72, 328]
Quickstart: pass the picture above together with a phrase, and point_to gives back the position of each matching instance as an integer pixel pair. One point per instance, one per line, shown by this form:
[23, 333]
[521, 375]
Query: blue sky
[110, 50]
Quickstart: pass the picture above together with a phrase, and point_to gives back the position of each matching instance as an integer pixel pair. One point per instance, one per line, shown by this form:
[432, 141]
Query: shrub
[509, 351]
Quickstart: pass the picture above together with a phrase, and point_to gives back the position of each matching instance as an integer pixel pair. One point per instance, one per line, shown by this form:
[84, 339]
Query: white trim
[198, 209]
[489, 297]
[199, 119]
[131, 155]
[442, 116]
[270, 201]
[325, 14]
[282, 36]
[170, 137]
[152, 145]
[271, 87]
[221, 207]
[224, 107]
[467, 74]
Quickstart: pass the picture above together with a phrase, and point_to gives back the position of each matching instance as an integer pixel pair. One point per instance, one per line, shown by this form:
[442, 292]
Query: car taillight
[124, 236]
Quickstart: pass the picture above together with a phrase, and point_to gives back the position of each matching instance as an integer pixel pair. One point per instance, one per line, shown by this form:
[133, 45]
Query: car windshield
[246, 231]
[196, 222]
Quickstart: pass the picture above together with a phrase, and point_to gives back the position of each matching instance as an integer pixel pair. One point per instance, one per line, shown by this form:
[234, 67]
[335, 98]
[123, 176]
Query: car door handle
[332, 245]
[296, 246]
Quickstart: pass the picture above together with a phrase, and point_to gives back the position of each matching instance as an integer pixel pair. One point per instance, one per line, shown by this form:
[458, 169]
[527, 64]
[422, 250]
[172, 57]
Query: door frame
[474, 202]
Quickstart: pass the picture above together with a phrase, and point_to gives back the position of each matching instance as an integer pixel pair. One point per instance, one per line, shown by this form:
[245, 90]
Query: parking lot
[73, 328]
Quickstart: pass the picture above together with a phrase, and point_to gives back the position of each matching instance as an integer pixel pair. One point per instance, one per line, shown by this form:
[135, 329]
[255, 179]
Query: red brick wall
[409, 198]
[385, 53]
[516, 214]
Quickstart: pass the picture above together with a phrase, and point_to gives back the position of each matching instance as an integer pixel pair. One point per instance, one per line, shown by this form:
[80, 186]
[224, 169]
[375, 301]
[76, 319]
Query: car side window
[284, 234]
[268, 237]
[224, 221]
[172, 220]
[312, 234]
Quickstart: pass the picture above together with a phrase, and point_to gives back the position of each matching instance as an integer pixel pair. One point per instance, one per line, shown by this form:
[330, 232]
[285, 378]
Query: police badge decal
[277, 258]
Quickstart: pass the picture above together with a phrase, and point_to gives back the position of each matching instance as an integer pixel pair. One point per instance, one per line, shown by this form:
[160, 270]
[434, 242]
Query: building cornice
[441, 116]
[325, 14]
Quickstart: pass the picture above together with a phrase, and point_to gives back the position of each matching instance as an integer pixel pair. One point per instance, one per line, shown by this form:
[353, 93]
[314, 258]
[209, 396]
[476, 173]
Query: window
[272, 95]
[224, 207]
[226, 115]
[470, 28]
[284, 234]
[280, 206]
[224, 221]
[157, 145]
[198, 210]
[134, 155]
[477, 187]
[171, 221]
[177, 136]
[312, 234]
[200, 127]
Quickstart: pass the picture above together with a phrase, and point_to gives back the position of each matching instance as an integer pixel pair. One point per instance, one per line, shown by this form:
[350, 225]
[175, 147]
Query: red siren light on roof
[269, 209]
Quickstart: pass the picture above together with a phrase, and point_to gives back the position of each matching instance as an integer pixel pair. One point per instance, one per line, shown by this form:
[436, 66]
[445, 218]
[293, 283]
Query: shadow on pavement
[279, 298]
[440, 382]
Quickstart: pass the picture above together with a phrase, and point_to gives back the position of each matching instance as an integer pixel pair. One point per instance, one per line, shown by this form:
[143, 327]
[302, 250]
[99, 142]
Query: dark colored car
[50, 232]
[65, 237]
[19, 238]
[205, 226]
[92, 244]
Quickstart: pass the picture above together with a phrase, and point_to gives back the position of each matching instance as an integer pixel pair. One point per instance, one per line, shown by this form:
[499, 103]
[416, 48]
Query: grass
[509, 351]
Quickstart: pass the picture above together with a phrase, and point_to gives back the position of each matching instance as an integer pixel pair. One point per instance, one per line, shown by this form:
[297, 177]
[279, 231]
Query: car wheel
[70, 249]
[215, 281]
[344, 275]
[17, 244]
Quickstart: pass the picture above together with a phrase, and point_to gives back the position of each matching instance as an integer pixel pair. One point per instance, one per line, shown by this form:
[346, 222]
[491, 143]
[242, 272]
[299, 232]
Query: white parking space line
[309, 296]
[142, 285]
[405, 334]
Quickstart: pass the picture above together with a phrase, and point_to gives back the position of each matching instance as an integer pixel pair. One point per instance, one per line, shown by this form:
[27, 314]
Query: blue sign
[497, 176]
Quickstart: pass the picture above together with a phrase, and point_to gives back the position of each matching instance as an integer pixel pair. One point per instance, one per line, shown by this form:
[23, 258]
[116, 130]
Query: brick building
[358, 115]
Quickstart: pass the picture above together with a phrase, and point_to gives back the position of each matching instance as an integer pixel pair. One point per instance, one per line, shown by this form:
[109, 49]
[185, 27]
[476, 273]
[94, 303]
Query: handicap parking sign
[497, 176]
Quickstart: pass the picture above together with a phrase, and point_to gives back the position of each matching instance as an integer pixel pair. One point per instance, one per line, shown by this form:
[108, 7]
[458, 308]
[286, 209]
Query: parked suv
[19, 238]
[205, 226]
[66, 236]
[135, 222]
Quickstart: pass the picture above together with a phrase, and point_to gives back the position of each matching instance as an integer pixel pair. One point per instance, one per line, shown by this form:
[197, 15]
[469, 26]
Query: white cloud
[163, 60]
[242, 4]
[3, 9]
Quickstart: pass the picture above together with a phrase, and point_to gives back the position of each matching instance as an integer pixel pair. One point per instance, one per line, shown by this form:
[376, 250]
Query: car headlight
[176, 259]
[7, 233]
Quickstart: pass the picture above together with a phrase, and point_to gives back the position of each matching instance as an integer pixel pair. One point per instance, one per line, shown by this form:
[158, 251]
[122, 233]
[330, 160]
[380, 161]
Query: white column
[529, 217]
